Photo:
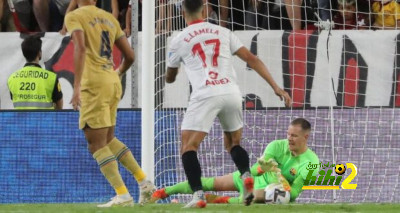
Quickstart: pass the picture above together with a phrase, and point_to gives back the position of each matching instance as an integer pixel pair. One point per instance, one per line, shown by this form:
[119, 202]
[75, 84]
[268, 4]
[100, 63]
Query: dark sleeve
[57, 93]
[11, 96]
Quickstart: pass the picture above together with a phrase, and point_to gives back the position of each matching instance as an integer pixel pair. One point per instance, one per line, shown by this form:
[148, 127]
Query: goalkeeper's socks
[241, 159]
[234, 200]
[109, 167]
[211, 198]
[124, 155]
[192, 170]
[184, 187]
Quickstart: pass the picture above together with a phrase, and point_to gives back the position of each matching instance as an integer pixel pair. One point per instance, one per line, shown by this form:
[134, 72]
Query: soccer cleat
[119, 200]
[146, 190]
[211, 198]
[198, 200]
[248, 183]
[158, 195]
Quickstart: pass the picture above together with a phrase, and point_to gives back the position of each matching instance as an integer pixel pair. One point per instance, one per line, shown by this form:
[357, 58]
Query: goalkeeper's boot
[198, 200]
[248, 183]
[211, 198]
[158, 195]
[119, 200]
[146, 190]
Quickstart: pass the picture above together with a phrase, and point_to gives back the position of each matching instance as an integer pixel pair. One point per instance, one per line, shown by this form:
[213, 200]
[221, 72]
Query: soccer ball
[340, 169]
[274, 193]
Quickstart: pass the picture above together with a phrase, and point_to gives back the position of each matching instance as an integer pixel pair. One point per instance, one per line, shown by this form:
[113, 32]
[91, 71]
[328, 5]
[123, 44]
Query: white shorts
[200, 114]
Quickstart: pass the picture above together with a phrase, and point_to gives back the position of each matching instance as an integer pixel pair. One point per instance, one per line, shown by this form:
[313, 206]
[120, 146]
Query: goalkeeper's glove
[284, 182]
[268, 166]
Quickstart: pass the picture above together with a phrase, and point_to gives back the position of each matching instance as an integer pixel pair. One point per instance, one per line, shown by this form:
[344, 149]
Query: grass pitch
[218, 208]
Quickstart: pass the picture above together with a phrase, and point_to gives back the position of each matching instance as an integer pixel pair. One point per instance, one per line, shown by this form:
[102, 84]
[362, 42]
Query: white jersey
[206, 51]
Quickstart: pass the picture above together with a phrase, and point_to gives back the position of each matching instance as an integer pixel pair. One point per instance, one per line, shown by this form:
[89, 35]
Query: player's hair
[31, 46]
[305, 125]
[192, 6]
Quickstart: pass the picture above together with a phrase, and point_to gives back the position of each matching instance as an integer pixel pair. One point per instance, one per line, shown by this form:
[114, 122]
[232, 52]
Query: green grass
[171, 208]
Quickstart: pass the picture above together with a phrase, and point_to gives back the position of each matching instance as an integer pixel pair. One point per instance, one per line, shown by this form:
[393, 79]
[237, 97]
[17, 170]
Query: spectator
[164, 16]
[41, 12]
[348, 17]
[219, 10]
[237, 14]
[324, 9]
[256, 16]
[33, 87]
[387, 14]
[293, 8]
[57, 10]
[25, 21]
[128, 18]
[6, 20]
[209, 14]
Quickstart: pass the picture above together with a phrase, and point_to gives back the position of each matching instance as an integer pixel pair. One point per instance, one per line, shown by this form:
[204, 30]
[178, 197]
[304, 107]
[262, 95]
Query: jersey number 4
[105, 49]
[198, 50]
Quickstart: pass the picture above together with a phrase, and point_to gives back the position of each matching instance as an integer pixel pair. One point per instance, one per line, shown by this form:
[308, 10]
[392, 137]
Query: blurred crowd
[48, 15]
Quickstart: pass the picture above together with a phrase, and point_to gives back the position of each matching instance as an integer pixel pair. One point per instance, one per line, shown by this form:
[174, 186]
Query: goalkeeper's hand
[268, 166]
[284, 182]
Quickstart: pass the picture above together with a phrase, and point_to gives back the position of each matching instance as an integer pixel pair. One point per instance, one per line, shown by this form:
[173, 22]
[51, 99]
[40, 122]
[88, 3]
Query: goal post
[148, 59]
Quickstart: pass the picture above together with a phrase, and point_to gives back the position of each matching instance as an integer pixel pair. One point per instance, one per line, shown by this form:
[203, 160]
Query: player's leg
[231, 119]
[97, 144]
[197, 121]
[124, 155]
[229, 182]
[183, 188]
[95, 120]
[190, 143]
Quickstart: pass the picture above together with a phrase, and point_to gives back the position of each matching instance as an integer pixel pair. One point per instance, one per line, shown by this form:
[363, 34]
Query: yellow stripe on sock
[139, 175]
[121, 190]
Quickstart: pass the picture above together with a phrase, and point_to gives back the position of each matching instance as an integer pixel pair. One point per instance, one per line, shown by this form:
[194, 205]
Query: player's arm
[174, 60]
[256, 64]
[296, 188]
[78, 38]
[171, 74]
[57, 95]
[268, 159]
[129, 56]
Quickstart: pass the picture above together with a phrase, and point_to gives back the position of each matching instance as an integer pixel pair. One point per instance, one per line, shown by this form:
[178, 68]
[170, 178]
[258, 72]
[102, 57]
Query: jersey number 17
[198, 50]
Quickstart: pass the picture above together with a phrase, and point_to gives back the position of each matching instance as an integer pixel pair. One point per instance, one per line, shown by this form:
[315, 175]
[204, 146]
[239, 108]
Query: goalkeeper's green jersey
[293, 168]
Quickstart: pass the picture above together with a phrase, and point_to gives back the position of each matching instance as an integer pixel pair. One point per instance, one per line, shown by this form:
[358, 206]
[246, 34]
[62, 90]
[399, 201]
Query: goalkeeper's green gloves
[272, 166]
[268, 166]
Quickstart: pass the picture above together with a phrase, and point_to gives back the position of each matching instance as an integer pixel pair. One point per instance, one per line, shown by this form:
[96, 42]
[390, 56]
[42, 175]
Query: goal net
[343, 78]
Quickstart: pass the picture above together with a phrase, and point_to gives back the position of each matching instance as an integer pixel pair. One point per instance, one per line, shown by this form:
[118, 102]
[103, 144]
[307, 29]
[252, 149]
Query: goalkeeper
[284, 161]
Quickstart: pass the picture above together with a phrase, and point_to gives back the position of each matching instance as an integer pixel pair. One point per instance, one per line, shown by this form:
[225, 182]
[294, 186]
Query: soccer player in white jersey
[206, 51]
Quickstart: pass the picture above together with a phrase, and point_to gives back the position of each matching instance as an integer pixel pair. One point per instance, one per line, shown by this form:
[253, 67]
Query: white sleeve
[174, 60]
[235, 43]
